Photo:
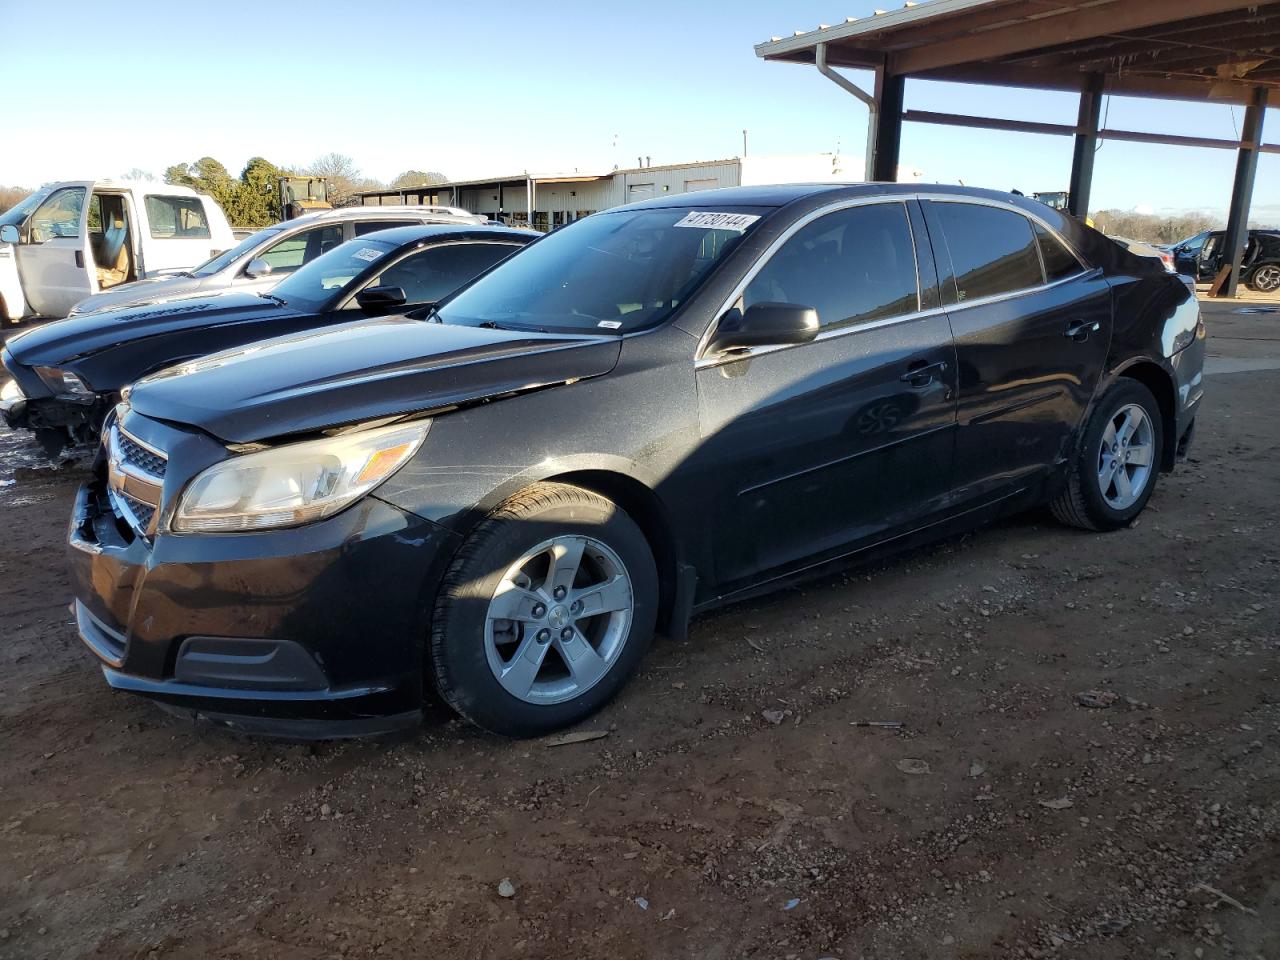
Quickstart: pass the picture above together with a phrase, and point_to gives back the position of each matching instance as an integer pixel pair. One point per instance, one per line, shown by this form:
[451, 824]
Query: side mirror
[9, 234]
[765, 325]
[257, 267]
[378, 299]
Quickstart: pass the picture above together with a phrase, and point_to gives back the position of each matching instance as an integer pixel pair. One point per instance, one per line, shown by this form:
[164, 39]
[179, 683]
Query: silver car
[263, 259]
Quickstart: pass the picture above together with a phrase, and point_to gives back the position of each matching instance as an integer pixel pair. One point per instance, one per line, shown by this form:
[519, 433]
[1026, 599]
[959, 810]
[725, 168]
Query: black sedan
[654, 411]
[68, 374]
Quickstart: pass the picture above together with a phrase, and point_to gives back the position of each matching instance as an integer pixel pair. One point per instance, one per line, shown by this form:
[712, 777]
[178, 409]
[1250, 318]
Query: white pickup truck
[68, 241]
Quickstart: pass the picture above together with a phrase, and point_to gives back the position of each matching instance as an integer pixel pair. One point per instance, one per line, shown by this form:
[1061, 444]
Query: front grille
[143, 513]
[135, 479]
[136, 455]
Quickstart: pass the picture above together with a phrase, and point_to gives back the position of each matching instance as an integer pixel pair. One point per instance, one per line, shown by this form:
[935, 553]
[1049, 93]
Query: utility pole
[744, 143]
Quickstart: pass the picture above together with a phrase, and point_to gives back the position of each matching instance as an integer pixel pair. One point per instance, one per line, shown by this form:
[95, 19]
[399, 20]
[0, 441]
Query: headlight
[294, 484]
[63, 382]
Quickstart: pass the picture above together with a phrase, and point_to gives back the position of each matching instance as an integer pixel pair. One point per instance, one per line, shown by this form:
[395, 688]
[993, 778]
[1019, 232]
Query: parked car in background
[68, 241]
[1202, 256]
[1147, 250]
[69, 373]
[264, 258]
[656, 410]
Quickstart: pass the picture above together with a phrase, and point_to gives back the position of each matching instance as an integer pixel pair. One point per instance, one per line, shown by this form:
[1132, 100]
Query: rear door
[1032, 325]
[813, 449]
[53, 259]
[175, 233]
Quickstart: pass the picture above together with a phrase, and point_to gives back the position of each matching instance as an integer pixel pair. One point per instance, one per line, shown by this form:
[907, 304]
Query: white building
[557, 199]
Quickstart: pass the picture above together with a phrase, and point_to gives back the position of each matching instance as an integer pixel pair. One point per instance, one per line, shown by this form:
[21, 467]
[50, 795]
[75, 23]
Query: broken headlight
[64, 383]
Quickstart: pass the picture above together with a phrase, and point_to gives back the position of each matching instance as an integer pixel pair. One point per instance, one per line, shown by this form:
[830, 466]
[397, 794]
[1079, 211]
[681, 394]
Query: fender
[13, 303]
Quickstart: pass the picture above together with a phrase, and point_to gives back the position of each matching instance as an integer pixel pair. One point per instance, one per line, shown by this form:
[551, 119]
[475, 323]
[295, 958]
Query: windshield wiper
[273, 298]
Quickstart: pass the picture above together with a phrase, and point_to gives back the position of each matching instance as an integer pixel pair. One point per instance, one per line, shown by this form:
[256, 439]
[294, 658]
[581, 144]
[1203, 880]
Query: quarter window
[1059, 262]
[993, 251]
[852, 266]
[177, 218]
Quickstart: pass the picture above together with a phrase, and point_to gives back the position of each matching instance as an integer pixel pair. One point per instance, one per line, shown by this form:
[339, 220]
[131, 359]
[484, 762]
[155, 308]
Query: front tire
[544, 613]
[1113, 472]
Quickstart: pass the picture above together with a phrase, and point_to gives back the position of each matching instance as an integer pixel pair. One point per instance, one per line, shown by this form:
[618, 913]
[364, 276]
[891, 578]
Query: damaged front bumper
[13, 405]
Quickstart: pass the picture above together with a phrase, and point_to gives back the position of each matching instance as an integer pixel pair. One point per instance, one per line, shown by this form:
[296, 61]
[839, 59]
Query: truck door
[53, 261]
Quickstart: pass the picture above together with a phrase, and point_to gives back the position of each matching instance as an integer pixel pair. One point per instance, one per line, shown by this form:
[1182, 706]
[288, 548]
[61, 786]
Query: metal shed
[1223, 51]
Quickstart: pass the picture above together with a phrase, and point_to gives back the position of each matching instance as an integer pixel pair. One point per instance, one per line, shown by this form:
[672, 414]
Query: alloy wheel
[1125, 460]
[1267, 278]
[559, 619]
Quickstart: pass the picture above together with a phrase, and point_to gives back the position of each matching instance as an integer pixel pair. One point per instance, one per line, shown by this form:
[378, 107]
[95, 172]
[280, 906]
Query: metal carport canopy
[1223, 51]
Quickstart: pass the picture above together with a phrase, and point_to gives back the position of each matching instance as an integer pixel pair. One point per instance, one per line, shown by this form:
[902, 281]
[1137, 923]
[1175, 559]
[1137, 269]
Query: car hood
[151, 290]
[63, 341]
[362, 371]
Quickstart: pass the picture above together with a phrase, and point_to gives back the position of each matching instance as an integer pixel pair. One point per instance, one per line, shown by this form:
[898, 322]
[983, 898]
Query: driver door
[52, 259]
[816, 449]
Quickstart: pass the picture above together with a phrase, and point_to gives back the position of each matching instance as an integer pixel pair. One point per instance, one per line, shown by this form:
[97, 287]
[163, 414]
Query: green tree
[258, 203]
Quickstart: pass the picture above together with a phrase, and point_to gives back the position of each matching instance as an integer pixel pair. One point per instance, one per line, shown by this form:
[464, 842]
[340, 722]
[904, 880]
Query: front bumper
[312, 632]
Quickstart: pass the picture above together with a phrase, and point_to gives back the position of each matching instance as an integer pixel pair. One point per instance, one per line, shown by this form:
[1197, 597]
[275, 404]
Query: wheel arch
[646, 508]
[1161, 384]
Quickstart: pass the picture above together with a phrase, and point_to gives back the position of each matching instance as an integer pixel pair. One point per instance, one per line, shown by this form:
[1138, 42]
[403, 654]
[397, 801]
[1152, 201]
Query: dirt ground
[734, 810]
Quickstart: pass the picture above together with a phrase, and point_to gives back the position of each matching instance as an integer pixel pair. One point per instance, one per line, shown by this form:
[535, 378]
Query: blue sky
[478, 89]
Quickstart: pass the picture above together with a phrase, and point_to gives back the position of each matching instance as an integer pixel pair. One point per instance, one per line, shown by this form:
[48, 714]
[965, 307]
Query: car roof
[780, 195]
[414, 233]
[374, 213]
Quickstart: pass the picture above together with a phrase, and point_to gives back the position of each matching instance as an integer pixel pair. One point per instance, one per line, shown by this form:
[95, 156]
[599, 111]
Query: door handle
[1080, 330]
[80, 259]
[921, 374]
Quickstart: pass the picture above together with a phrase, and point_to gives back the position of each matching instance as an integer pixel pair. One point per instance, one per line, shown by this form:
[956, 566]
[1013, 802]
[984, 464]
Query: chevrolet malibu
[655, 411]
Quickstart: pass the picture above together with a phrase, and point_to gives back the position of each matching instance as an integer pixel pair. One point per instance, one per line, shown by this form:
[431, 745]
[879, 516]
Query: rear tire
[1265, 279]
[544, 613]
[1113, 472]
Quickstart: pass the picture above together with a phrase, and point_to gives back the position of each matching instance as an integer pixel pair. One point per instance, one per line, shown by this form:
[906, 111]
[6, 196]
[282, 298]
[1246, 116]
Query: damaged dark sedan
[654, 411]
[69, 373]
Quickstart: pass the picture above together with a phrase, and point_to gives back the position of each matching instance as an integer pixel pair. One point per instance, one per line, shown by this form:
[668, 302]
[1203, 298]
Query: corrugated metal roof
[1217, 49]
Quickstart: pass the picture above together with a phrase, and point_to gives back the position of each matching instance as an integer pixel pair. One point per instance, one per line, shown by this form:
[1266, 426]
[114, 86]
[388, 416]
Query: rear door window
[176, 218]
[852, 266]
[993, 251]
[363, 227]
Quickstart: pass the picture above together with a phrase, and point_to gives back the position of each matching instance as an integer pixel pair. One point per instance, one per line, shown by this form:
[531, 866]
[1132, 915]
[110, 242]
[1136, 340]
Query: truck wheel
[544, 613]
[1114, 470]
[1265, 279]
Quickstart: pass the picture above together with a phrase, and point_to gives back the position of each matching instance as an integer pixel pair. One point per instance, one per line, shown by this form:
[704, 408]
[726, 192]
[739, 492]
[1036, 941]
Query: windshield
[313, 285]
[608, 273]
[19, 211]
[213, 265]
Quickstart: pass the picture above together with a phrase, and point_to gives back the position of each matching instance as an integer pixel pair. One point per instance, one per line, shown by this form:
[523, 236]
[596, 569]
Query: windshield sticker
[718, 221]
[368, 254]
[610, 324]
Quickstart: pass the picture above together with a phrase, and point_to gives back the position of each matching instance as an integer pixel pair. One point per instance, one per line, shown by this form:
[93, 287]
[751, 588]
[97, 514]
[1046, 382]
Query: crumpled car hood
[60, 342]
[362, 371]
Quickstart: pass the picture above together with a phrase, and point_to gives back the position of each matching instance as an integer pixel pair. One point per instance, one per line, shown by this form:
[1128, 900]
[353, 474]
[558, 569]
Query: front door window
[59, 216]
